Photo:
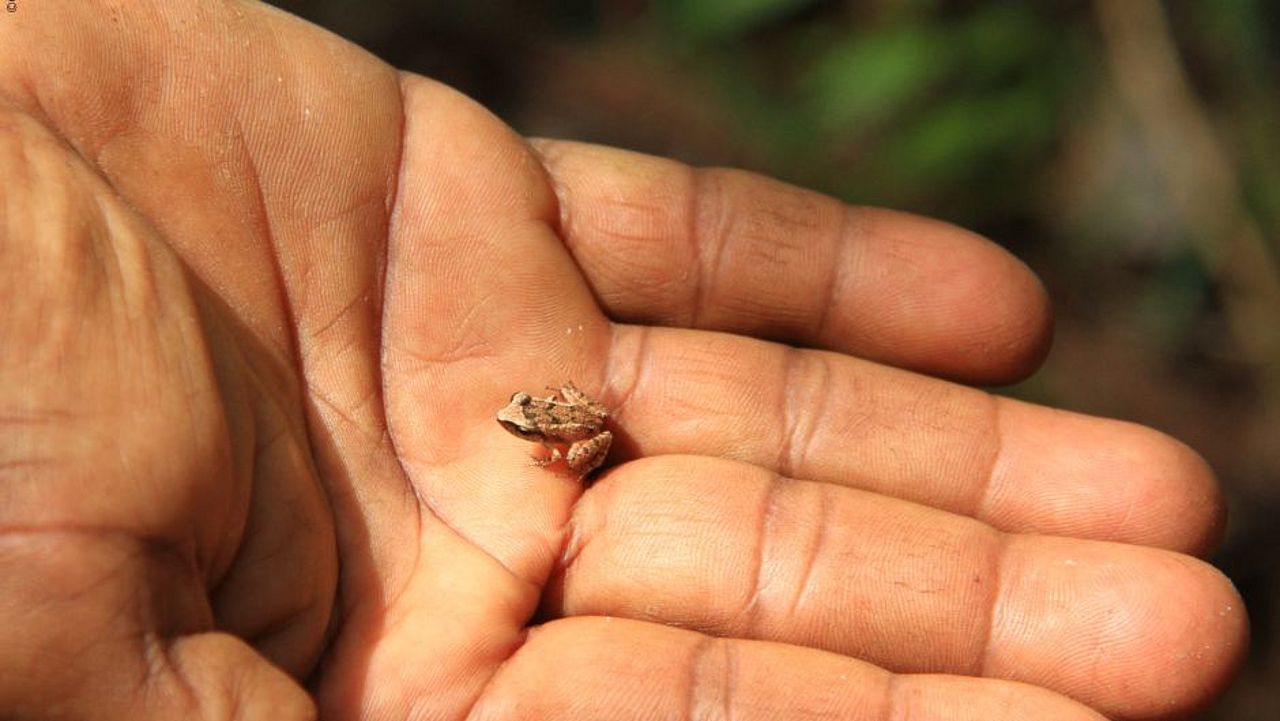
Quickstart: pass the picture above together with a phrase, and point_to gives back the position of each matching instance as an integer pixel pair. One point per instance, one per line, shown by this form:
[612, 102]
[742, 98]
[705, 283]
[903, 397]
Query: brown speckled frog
[569, 417]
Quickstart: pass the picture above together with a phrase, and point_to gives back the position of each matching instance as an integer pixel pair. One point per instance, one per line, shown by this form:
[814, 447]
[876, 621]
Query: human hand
[262, 296]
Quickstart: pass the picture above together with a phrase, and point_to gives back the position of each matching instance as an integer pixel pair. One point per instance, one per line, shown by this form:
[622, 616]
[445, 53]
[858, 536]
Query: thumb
[84, 636]
[222, 677]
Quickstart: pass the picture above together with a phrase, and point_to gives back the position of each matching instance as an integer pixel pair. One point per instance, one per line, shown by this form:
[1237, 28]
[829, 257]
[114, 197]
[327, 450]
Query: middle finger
[830, 417]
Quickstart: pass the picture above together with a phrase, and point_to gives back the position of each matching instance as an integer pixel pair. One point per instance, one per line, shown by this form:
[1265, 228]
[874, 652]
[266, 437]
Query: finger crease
[995, 574]
[894, 709]
[730, 679]
[520, 641]
[764, 532]
[835, 274]
[815, 549]
[798, 428]
[620, 397]
[981, 499]
[707, 688]
[708, 247]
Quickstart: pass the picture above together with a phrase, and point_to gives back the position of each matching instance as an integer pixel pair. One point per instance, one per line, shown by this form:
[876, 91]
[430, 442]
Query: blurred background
[1128, 150]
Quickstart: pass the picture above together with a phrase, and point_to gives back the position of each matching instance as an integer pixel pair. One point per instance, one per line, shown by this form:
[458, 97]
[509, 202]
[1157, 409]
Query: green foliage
[862, 81]
[703, 20]
[898, 109]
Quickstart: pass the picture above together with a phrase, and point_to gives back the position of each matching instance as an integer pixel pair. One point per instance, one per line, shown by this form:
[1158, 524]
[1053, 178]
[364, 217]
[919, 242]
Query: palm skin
[263, 295]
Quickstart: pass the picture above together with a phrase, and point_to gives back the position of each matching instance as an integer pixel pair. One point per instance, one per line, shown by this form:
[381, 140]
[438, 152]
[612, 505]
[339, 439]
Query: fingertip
[1071, 474]
[1188, 512]
[1187, 641]
[955, 304]
[1222, 644]
[1135, 632]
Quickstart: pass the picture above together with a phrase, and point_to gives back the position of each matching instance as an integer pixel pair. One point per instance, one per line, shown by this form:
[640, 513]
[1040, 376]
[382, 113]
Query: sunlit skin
[261, 296]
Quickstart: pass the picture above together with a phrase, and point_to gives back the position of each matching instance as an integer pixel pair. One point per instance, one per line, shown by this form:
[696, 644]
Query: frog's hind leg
[586, 456]
[572, 395]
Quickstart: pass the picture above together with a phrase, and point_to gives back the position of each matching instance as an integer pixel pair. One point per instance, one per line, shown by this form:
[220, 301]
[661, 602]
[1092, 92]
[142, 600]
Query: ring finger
[734, 550]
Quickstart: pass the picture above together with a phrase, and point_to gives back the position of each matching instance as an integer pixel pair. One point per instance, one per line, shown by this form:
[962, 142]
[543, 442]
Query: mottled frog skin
[567, 418]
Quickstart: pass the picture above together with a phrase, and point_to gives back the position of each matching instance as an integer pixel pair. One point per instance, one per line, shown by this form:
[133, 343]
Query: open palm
[262, 296]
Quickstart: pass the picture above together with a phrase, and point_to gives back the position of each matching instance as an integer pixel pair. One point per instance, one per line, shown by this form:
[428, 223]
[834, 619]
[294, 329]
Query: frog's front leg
[548, 460]
[586, 455]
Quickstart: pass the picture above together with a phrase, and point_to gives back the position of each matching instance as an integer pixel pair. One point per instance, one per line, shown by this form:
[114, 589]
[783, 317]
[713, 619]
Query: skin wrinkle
[393, 213]
[694, 671]
[641, 364]
[607, 393]
[135, 547]
[155, 656]
[801, 363]
[980, 506]
[817, 419]
[281, 625]
[893, 698]
[574, 539]
[730, 679]
[162, 660]
[688, 307]
[563, 221]
[230, 389]
[708, 200]
[130, 266]
[467, 343]
[29, 463]
[787, 412]
[430, 711]
[323, 399]
[764, 531]
[38, 417]
[698, 660]
[346, 309]
[291, 322]
[692, 210]
[836, 275]
[371, 398]
[999, 557]
[550, 213]
[637, 209]
[820, 533]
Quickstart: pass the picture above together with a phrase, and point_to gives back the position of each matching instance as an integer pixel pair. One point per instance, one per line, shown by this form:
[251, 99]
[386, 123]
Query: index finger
[662, 242]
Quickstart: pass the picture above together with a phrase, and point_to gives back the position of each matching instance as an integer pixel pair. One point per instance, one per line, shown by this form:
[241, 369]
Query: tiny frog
[571, 418]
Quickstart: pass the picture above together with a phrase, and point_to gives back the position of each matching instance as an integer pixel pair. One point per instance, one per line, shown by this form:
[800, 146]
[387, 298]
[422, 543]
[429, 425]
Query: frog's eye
[517, 429]
[521, 398]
